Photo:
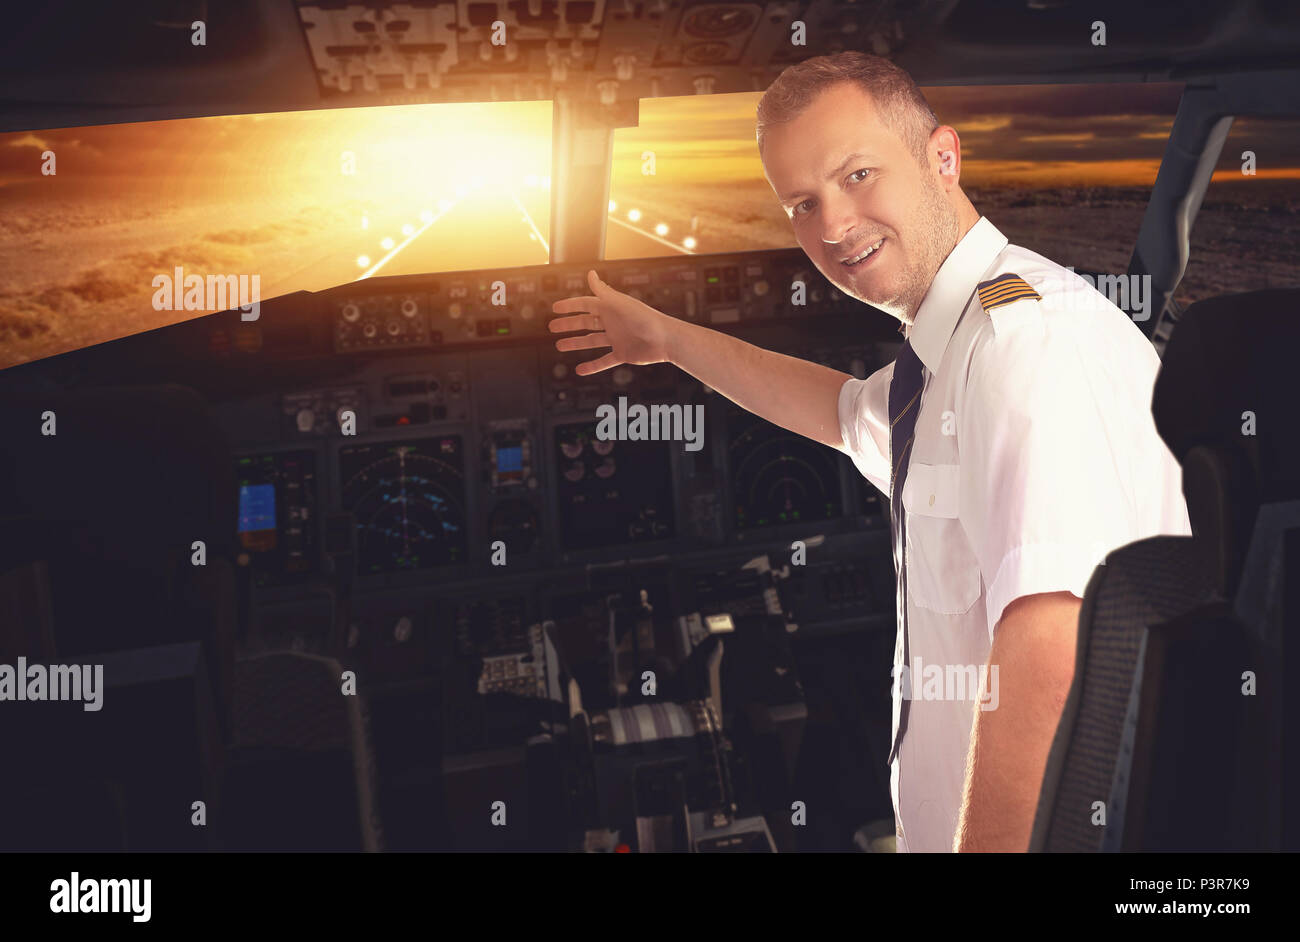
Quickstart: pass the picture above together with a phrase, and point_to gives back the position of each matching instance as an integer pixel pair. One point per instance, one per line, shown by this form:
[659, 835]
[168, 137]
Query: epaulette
[1005, 289]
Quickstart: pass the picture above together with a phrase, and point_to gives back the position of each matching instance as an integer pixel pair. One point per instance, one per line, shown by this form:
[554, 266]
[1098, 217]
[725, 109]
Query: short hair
[900, 104]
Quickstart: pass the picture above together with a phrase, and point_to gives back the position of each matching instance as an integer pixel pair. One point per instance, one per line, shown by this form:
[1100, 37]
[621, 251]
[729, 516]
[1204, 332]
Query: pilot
[1012, 434]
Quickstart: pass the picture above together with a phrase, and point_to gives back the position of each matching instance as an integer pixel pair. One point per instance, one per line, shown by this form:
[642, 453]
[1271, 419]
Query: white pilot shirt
[1035, 454]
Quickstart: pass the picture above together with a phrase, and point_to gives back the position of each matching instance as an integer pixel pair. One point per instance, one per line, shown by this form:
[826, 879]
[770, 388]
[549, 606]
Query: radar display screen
[612, 492]
[277, 515]
[779, 477]
[408, 500]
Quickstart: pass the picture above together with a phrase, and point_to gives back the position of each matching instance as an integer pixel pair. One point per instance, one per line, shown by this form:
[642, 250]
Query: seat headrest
[1232, 367]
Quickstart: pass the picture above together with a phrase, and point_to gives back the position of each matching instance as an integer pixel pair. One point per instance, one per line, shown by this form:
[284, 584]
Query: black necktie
[904, 404]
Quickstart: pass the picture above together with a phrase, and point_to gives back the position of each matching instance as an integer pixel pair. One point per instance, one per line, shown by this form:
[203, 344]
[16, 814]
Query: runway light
[444, 205]
[407, 229]
[363, 261]
[634, 215]
[387, 243]
[612, 206]
[426, 216]
[661, 229]
[689, 242]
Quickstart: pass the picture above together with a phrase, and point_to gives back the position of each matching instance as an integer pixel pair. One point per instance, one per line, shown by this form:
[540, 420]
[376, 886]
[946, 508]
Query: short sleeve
[864, 425]
[1046, 487]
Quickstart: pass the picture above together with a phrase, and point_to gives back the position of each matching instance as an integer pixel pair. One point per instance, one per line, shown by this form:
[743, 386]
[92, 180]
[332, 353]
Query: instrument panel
[277, 515]
[442, 449]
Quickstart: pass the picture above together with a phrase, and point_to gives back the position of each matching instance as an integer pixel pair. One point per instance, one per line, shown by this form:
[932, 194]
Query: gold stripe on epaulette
[1005, 289]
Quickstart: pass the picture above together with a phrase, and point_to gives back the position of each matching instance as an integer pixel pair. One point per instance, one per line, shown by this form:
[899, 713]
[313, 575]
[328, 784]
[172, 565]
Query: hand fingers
[597, 286]
[582, 343]
[570, 305]
[596, 366]
[575, 322]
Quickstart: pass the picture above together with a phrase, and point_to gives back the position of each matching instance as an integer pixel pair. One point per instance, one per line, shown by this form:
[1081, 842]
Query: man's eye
[800, 209]
[855, 175]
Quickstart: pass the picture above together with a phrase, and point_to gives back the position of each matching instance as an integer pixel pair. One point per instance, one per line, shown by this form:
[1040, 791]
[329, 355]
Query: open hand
[634, 331]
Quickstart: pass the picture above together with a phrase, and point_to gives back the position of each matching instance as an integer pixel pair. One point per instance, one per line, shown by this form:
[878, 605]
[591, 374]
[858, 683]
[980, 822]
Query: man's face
[848, 182]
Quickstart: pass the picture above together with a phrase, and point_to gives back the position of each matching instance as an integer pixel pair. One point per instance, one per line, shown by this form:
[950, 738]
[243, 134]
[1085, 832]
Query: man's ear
[945, 153]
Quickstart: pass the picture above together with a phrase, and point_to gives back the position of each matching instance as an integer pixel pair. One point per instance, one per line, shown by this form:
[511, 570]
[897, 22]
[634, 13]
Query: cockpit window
[103, 228]
[688, 180]
[1244, 235]
[1064, 170]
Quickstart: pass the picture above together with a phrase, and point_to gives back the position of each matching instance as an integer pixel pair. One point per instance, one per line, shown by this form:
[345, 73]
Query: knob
[624, 67]
[393, 327]
[402, 630]
[306, 420]
[409, 308]
[453, 310]
[560, 370]
[608, 91]
[351, 312]
[760, 287]
[703, 84]
[622, 376]
[526, 312]
[370, 330]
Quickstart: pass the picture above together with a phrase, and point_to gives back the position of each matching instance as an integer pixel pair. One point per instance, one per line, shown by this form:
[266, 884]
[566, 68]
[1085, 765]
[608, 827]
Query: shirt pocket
[942, 571]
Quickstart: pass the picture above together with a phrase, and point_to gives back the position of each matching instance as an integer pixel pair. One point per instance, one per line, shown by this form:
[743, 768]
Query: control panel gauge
[408, 501]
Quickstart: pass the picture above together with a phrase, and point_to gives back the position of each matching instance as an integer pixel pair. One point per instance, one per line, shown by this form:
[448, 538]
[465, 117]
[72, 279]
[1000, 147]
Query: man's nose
[839, 217]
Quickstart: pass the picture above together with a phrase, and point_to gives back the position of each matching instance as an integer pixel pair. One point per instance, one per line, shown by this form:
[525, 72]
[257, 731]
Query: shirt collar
[951, 290]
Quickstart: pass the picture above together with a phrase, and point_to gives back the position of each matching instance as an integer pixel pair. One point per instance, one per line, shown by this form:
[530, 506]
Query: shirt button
[931, 500]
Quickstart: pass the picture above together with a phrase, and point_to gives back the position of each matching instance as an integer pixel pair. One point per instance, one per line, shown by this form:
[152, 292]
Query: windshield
[92, 218]
[1063, 169]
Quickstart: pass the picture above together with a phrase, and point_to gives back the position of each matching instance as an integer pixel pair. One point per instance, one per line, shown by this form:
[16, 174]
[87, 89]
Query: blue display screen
[256, 507]
[510, 459]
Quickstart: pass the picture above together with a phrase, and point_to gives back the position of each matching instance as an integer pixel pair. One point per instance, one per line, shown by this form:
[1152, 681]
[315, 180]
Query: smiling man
[1012, 433]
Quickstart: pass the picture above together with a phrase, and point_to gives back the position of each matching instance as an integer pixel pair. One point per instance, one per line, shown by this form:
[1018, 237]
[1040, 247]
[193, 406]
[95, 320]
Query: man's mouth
[864, 257]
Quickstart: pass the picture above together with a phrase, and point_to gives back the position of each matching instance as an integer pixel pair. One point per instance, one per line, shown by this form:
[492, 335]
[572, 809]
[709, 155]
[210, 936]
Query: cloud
[29, 140]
